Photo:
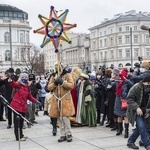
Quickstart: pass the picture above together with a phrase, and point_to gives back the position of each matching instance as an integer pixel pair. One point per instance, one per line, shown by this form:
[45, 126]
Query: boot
[110, 123]
[120, 128]
[62, 138]
[126, 133]
[115, 126]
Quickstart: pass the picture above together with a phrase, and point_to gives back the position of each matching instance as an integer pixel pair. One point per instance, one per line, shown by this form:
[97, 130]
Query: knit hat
[11, 70]
[146, 78]
[24, 75]
[108, 71]
[145, 64]
[124, 72]
[116, 71]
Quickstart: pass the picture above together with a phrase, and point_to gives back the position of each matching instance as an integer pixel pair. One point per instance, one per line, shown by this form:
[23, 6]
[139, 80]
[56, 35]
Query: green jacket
[134, 99]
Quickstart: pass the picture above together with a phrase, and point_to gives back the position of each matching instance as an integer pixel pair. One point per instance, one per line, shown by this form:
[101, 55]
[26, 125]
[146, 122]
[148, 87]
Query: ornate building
[14, 37]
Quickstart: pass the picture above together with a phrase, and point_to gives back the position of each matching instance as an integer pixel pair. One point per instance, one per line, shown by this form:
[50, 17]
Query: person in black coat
[9, 92]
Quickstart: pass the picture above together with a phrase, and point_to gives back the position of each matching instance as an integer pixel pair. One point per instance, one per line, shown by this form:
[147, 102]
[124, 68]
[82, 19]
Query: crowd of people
[111, 97]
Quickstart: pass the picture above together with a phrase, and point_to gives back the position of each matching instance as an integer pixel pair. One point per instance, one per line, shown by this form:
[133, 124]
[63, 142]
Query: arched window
[6, 37]
[7, 55]
[21, 38]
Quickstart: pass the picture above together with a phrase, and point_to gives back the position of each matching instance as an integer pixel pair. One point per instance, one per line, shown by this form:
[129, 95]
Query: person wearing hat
[144, 70]
[62, 106]
[9, 92]
[138, 111]
[86, 109]
[19, 101]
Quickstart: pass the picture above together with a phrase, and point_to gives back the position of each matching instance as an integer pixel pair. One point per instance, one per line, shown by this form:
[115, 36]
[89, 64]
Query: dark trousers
[54, 123]
[18, 125]
[1, 110]
[9, 116]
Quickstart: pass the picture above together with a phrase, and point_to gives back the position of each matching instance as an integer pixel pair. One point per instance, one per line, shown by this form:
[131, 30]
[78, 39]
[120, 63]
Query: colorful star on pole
[54, 28]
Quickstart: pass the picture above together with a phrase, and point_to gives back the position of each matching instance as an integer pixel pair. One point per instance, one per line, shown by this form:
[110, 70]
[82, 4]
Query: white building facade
[75, 54]
[14, 37]
[120, 41]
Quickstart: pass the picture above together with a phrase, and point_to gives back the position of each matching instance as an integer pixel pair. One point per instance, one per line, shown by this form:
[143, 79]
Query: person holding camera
[140, 73]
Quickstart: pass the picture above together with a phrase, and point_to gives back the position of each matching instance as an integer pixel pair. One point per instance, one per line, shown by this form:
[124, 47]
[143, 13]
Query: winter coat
[22, 94]
[134, 100]
[124, 91]
[42, 91]
[66, 108]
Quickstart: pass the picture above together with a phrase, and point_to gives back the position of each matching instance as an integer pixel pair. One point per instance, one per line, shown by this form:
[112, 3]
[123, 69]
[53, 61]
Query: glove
[45, 113]
[64, 72]
[59, 80]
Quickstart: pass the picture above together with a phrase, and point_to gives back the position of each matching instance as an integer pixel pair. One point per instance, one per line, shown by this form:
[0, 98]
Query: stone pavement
[84, 138]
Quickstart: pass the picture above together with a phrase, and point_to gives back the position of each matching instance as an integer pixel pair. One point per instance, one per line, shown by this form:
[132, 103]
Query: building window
[100, 34]
[127, 28]
[21, 38]
[135, 38]
[120, 53]
[111, 31]
[127, 53]
[136, 51]
[100, 43]
[135, 28]
[111, 41]
[105, 53]
[101, 55]
[111, 54]
[120, 29]
[104, 32]
[148, 52]
[27, 38]
[6, 37]
[127, 38]
[105, 42]
[147, 39]
[22, 54]
[93, 44]
[119, 40]
[7, 55]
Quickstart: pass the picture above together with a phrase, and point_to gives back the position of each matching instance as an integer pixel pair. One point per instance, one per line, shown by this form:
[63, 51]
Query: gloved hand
[59, 80]
[64, 72]
[45, 113]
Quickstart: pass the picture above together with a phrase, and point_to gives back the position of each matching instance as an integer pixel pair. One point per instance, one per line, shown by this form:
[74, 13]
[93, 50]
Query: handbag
[124, 104]
[88, 98]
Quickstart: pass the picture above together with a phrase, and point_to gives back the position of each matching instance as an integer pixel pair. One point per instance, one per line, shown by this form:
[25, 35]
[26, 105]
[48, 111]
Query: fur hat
[76, 72]
[24, 75]
[84, 76]
[108, 71]
[145, 64]
[116, 71]
[146, 78]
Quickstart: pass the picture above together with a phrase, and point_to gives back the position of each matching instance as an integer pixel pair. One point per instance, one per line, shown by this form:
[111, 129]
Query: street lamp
[10, 45]
[131, 47]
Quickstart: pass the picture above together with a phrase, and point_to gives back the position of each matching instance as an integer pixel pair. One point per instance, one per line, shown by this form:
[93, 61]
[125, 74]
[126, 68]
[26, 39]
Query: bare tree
[32, 59]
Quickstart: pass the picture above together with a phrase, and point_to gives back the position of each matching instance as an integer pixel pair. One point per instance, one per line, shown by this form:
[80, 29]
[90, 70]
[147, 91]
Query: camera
[12, 77]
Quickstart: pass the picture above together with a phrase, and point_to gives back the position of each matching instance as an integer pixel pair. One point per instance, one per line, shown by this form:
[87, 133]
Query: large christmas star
[54, 28]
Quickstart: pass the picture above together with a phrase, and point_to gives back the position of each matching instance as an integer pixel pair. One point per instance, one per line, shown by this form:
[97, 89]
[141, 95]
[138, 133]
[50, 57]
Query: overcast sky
[85, 13]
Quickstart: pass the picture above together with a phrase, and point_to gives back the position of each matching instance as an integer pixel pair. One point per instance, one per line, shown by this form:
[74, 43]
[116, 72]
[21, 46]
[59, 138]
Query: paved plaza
[84, 138]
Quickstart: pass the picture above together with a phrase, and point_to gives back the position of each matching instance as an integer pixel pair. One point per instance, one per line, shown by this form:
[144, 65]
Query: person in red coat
[19, 101]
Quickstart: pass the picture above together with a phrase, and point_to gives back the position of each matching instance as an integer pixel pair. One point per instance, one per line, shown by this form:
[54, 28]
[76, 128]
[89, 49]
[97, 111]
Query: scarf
[118, 89]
